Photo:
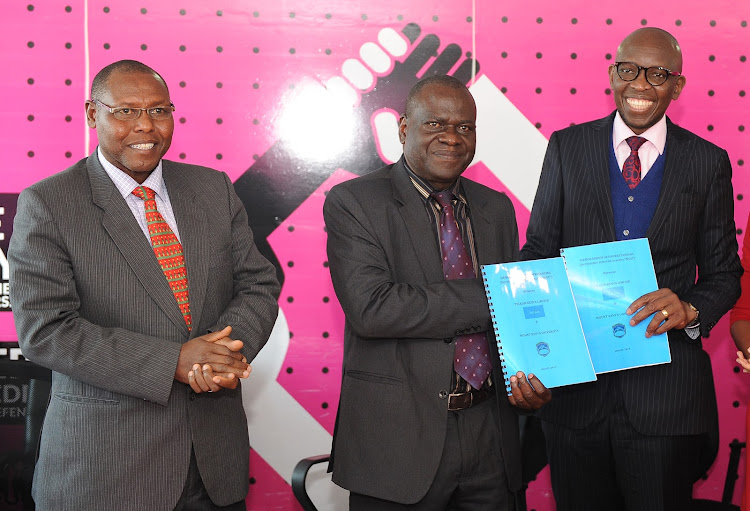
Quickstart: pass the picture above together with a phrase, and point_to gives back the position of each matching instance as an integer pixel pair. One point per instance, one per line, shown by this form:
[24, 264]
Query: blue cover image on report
[535, 321]
[606, 278]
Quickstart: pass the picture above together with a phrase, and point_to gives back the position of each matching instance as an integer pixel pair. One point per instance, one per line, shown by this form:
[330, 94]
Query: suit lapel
[597, 172]
[119, 223]
[417, 222]
[678, 153]
[191, 222]
[488, 251]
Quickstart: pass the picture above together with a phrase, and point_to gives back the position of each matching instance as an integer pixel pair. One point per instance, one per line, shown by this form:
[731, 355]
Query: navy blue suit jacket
[692, 229]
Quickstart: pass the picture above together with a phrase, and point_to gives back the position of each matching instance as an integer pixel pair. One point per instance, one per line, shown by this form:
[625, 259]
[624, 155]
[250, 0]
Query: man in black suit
[411, 433]
[637, 439]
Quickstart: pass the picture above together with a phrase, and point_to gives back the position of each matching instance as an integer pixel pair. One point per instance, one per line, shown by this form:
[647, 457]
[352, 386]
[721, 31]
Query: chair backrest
[735, 449]
[38, 380]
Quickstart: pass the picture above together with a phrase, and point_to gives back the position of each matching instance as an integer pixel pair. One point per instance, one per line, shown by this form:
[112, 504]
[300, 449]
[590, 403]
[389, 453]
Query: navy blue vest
[634, 209]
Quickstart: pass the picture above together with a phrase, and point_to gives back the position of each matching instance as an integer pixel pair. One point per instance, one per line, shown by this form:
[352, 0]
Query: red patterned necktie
[472, 359]
[631, 170]
[168, 251]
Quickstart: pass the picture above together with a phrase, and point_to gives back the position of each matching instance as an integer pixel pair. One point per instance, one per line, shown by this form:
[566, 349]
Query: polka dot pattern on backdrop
[231, 66]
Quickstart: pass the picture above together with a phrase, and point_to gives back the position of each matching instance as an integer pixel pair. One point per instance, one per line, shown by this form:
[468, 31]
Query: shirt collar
[425, 189]
[126, 184]
[656, 134]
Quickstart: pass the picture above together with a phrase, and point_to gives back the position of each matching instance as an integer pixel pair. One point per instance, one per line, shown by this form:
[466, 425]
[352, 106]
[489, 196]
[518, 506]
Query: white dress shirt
[126, 184]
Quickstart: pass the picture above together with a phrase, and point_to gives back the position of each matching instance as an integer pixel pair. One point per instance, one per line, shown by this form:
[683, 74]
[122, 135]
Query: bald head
[656, 38]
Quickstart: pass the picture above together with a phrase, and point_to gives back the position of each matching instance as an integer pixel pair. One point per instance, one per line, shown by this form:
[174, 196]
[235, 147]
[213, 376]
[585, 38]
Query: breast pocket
[688, 209]
[221, 258]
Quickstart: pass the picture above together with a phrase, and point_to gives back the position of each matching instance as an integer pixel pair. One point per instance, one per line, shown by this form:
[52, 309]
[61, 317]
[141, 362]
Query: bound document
[536, 323]
[563, 319]
[606, 278]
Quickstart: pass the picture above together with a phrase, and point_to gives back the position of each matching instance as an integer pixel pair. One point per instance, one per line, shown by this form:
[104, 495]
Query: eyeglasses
[157, 113]
[629, 71]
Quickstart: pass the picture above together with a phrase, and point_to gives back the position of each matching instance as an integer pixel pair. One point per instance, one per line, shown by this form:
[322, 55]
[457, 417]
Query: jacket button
[442, 394]
[448, 340]
[192, 396]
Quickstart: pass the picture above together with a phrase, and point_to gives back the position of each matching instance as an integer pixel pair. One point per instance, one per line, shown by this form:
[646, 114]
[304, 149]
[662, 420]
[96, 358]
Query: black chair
[735, 448]
[532, 447]
[17, 466]
[299, 480]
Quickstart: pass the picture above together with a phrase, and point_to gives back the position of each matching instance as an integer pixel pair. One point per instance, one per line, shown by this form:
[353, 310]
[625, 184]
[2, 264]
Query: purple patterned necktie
[631, 170]
[472, 360]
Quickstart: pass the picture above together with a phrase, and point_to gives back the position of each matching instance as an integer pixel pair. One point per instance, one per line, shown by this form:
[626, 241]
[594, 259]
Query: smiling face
[641, 105]
[439, 134]
[136, 146]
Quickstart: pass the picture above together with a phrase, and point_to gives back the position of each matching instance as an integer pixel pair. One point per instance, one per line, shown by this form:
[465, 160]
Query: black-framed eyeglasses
[157, 113]
[629, 71]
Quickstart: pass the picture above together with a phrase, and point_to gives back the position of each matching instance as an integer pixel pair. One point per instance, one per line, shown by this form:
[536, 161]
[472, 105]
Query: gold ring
[665, 313]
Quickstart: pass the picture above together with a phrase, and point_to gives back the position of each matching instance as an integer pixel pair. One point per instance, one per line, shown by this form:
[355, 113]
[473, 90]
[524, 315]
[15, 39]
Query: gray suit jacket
[91, 302]
[401, 319]
[693, 227]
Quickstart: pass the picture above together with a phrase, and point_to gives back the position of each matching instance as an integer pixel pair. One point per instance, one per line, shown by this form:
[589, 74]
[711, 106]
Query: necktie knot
[635, 143]
[144, 193]
[444, 198]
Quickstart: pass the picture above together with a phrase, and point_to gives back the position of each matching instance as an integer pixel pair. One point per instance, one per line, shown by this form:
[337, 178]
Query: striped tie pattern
[168, 251]
[472, 359]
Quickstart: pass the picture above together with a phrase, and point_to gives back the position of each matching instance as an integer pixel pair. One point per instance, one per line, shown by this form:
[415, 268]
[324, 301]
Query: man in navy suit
[636, 439]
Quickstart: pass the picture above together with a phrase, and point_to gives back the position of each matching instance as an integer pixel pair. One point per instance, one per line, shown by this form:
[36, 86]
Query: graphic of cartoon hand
[345, 134]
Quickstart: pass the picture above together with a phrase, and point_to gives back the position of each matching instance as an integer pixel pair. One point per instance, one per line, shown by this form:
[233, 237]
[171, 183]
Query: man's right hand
[528, 394]
[219, 355]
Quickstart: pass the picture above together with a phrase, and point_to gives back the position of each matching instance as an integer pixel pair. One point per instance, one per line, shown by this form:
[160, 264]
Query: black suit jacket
[401, 318]
[693, 227]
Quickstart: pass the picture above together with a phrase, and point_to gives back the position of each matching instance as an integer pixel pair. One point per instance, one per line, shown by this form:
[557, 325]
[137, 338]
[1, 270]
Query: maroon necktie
[631, 170]
[472, 359]
[168, 251]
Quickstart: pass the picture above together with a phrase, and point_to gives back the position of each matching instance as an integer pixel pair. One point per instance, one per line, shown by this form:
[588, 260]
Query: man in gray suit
[638, 439]
[146, 307]
[414, 430]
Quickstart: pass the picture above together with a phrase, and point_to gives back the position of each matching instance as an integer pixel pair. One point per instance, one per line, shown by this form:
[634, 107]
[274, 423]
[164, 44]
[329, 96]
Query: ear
[612, 74]
[678, 88]
[402, 129]
[91, 108]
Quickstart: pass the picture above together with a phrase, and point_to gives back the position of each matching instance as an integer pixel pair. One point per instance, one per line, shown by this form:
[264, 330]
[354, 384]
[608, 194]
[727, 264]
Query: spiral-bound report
[536, 323]
[563, 319]
[606, 278]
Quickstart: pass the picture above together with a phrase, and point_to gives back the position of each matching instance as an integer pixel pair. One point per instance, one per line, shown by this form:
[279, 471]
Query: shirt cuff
[693, 331]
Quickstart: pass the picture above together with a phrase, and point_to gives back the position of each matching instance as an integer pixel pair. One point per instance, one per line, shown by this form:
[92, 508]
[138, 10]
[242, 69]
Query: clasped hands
[667, 309]
[212, 362]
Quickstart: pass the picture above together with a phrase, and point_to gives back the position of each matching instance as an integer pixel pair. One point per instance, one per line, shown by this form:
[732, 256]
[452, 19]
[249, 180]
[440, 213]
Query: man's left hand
[204, 379]
[528, 394]
[667, 309]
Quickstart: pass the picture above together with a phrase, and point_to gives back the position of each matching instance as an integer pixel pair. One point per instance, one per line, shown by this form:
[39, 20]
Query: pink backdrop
[236, 70]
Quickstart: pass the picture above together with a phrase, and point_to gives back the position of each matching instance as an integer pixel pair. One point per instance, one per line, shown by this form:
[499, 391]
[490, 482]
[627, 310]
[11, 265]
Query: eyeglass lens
[629, 72]
[156, 113]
